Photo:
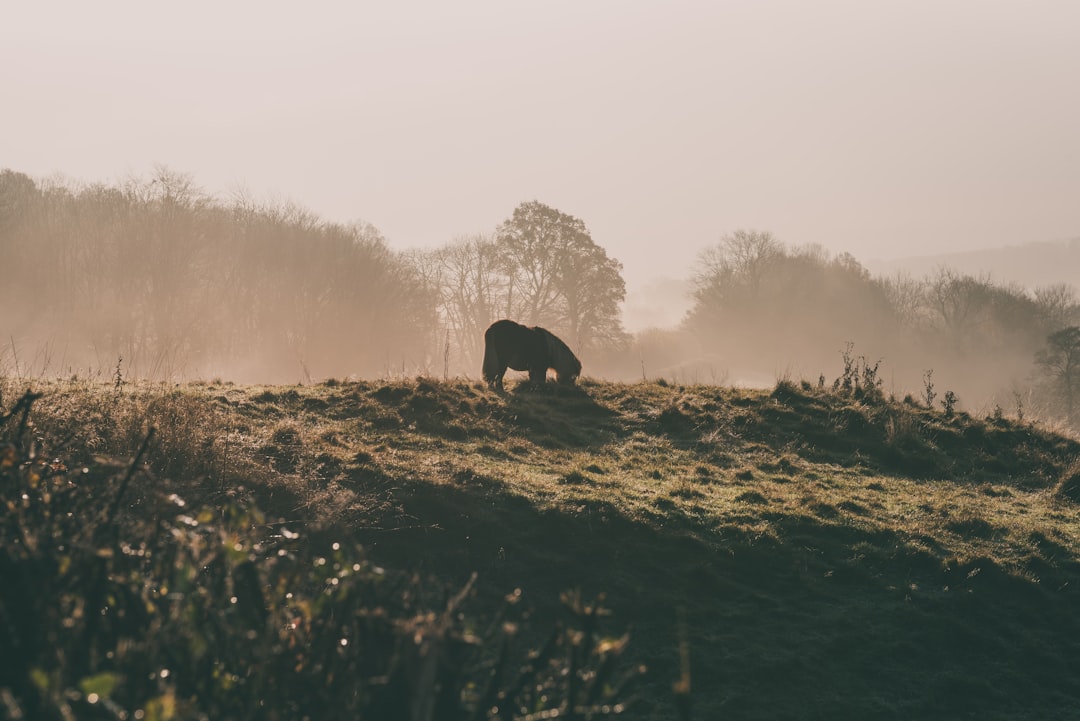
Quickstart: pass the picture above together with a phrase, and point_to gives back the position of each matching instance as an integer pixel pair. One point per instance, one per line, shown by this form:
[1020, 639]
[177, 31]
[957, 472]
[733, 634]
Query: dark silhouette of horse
[511, 345]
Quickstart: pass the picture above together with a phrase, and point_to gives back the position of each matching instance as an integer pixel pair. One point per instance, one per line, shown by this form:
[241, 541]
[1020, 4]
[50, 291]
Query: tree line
[157, 276]
[759, 304]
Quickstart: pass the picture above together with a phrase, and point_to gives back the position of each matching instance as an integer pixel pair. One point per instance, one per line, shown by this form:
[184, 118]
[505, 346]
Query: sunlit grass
[846, 512]
[686, 453]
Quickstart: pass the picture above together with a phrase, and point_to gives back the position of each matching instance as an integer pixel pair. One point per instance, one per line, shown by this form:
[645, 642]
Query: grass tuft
[1068, 487]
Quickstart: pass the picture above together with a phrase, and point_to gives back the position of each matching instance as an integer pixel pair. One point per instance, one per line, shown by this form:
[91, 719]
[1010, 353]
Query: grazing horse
[511, 345]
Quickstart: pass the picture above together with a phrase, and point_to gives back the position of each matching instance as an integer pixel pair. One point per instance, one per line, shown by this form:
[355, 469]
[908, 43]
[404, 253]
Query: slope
[824, 554]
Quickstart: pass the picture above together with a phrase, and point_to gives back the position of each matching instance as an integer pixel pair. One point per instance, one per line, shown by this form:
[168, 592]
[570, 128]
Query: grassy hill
[818, 553]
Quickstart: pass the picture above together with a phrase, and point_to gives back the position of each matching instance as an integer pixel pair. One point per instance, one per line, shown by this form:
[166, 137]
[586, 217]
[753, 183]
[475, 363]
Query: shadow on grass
[554, 416]
[550, 416]
[829, 621]
[883, 436]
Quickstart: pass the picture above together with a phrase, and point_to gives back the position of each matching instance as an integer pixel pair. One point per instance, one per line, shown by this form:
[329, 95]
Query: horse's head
[561, 358]
[567, 379]
[569, 370]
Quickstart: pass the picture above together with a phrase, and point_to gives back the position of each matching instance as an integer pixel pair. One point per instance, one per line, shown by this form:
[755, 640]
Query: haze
[882, 129]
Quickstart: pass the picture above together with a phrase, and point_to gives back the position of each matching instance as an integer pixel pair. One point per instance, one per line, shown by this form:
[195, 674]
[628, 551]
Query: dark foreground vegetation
[814, 551]
[120, 600]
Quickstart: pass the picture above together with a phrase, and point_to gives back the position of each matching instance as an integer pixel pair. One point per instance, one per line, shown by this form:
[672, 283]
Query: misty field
[166, 281]
[800, 552]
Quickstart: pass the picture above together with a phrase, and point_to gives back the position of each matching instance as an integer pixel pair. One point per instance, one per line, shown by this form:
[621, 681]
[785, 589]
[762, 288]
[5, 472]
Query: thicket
[121, 600]
[180, 284]
[762, 306]
[157, 273]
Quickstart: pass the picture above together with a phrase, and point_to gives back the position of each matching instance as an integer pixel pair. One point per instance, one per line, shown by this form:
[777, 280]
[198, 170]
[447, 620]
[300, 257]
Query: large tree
[592, 288]
[558, 277]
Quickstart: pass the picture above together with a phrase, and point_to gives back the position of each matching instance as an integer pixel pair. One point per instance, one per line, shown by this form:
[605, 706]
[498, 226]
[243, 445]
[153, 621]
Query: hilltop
[823, 553]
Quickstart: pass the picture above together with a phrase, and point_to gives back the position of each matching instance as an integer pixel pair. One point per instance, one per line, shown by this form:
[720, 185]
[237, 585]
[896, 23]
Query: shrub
[949, 404]
[928, 388]
[859, 378]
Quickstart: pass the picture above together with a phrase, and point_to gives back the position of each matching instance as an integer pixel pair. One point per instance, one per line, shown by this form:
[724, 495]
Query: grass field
[812, 554]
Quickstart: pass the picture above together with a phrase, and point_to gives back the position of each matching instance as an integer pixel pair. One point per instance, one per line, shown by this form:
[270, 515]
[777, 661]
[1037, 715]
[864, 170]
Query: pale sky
[880, 128]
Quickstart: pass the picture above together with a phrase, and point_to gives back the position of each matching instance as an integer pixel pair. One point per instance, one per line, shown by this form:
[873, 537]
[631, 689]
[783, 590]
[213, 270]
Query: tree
[470, 284]
[977, 316]
[905, 296]
[593, 289]
[1060, 363]
[18, 195]
[1057, 304]
[17, 192]
[163, 275]
[558, 277]
[529, 244]
[958, 302]
[734, 269]
[759, 304]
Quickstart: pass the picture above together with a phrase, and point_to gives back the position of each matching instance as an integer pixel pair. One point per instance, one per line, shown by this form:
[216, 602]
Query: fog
[156, 278]
[885, 129]
[273, 193]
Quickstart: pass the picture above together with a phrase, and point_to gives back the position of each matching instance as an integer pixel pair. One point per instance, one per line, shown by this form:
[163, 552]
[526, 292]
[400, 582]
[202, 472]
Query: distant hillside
[1031, 265]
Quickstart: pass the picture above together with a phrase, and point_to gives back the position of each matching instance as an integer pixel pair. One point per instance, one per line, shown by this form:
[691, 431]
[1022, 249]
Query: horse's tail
[491, 359]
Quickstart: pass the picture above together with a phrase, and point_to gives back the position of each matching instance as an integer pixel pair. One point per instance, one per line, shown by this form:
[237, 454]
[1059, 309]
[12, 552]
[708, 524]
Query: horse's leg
[537, 376]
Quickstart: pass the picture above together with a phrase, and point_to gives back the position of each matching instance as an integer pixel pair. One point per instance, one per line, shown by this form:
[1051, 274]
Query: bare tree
[906, 296]
[731, 272]
[956, 302]
[1058, 304]
[471, 284]
[1060, 363]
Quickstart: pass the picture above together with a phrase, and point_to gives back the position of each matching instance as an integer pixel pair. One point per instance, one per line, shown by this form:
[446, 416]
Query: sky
[880, 128]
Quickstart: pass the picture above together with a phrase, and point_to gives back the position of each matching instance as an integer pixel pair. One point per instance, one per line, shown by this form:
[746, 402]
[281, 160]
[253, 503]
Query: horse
[511, 345]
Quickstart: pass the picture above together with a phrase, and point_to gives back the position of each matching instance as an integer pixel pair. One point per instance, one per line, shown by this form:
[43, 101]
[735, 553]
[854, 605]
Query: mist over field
[156, 278]
[820, 263]
[704, 192]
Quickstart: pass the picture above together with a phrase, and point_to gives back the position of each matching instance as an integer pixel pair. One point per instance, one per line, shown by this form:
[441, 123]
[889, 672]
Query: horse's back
[503, 329]
[515, 345]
